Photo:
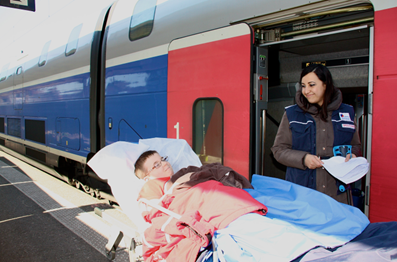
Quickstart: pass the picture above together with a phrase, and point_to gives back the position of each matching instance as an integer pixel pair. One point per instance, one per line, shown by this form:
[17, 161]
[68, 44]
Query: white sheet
[298, 219]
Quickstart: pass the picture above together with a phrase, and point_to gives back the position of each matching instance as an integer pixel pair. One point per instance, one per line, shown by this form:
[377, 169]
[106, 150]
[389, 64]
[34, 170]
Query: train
[215, 73]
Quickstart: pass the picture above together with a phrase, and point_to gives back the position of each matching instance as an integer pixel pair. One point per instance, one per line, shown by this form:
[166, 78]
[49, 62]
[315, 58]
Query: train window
[208, 130]
[71, 47]
[35, 130]
[142, 19]
[44, 52]
[1, 124]
[14, 127]
[19, 70]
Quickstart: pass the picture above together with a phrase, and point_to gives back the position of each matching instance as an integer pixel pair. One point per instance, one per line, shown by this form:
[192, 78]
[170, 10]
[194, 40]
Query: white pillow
[115, 163]
[179, 152]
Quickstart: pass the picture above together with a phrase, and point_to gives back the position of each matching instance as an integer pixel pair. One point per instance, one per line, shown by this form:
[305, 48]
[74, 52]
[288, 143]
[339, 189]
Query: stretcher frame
[118, 232]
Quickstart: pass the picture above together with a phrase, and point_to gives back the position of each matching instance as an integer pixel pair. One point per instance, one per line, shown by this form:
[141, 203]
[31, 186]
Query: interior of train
[346, 54]
[345, 51]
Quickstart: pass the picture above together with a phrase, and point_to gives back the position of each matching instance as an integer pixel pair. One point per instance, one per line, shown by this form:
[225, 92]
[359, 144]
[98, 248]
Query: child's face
[157, 167]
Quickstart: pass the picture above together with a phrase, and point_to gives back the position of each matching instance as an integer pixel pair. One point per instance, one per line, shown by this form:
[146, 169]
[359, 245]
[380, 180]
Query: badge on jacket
[348, 126]
[344, 116]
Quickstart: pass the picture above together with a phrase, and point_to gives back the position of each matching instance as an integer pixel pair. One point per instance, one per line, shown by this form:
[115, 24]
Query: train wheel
[72, 182]
[111, 254]
[93, 194]
[86, 188]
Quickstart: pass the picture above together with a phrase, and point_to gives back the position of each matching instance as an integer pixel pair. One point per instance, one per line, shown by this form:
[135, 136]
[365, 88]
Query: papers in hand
[347, 172]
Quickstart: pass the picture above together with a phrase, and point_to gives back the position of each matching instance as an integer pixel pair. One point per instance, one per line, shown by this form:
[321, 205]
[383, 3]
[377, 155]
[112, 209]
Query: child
[156, 171]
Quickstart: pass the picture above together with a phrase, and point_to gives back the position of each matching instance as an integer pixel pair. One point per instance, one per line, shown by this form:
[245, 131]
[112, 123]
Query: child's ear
[140, 174]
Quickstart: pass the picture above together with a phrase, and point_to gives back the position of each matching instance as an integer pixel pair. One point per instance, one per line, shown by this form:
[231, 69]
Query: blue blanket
[298, 220]
[308, 208]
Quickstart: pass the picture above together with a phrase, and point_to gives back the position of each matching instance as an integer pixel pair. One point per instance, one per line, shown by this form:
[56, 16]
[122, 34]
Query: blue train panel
[61, 108]
[6, 100]
[143, 76]
[136, 100]
[71, 88]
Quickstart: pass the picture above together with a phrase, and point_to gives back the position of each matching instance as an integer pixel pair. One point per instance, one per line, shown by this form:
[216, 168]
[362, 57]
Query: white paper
[347, 172]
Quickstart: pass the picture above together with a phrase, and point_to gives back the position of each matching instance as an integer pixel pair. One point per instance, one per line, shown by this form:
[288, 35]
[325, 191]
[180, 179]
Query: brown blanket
[215, 171]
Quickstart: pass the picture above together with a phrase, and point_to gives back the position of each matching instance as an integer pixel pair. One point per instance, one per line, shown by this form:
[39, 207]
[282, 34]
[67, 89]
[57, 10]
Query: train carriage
[215, 73]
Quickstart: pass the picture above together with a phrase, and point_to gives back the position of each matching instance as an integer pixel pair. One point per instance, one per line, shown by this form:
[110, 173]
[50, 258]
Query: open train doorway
[346, 53]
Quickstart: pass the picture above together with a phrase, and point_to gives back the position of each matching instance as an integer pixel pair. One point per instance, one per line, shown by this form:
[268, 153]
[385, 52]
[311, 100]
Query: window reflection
[142, 19]
[71, 47]
[208, 130]
[44, 52]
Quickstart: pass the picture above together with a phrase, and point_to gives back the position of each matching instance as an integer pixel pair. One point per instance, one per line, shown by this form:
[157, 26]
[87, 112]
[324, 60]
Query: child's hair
[140, 171]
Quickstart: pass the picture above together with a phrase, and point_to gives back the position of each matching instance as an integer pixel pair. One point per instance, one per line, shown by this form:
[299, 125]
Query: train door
[383, 197]
[209, 94]
[258, 116]
[347, 54]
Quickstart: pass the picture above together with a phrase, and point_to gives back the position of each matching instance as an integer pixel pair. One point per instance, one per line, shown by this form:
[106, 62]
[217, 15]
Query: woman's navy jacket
[303, 129]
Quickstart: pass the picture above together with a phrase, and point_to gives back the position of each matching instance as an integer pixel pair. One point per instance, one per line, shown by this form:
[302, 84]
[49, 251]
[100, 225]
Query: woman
[310, 129]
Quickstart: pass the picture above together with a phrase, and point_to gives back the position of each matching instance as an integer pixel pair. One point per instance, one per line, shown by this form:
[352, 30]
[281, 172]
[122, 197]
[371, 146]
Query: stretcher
[304, 217]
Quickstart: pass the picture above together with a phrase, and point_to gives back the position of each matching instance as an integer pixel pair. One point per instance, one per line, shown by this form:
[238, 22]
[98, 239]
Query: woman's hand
[348, 157]
[312, 161]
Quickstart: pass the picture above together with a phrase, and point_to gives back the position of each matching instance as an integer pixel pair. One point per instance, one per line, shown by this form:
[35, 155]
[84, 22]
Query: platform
[44, 219]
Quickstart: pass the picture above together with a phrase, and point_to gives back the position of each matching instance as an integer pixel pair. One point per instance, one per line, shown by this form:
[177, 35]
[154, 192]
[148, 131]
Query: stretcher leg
[131, 250]
[214, 253]
[114, 240]
[131, 244]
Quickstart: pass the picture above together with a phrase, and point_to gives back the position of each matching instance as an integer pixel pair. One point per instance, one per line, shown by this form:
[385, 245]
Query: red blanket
[206, 207]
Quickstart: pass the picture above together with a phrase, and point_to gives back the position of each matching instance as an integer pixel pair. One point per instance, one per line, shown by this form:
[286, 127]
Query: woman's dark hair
[330, 91]
[140, 171]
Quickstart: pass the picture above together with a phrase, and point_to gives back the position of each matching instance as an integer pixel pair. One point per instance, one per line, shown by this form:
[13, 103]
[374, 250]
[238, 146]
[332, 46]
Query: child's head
[151, 165]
